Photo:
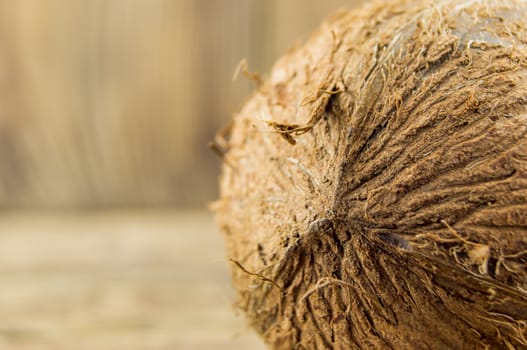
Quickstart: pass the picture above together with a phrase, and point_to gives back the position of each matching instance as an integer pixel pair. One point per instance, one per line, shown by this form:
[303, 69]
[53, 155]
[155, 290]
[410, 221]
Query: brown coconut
[374, 189]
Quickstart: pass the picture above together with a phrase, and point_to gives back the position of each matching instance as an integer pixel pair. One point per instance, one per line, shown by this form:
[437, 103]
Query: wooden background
[116, 280]
[106, 103]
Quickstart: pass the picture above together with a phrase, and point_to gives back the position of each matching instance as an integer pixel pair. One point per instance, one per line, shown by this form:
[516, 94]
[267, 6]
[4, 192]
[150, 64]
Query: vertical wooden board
[290, 22]
[13, 178]
[111, 96]
[113, 102]
[223, 38]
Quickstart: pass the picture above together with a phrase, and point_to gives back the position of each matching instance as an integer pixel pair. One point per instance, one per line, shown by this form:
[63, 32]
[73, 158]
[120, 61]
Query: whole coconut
[374, 190]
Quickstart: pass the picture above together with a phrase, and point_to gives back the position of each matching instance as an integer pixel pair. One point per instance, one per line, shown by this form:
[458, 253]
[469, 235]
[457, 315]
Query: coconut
[374, 189]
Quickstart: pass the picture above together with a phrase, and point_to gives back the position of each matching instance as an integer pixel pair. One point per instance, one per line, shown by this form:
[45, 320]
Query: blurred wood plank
[283, 24]
[116, 280]
[113, 102]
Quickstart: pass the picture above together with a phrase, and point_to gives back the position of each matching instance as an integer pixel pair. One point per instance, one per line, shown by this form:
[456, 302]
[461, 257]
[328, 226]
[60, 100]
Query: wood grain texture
[116, 280]
[112, 102]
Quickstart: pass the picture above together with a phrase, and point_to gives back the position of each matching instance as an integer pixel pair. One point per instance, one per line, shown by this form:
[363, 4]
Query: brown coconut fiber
[374, 189]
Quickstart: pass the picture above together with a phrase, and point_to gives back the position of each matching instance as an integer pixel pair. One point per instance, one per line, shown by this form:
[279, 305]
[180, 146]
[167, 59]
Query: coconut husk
[374, 190]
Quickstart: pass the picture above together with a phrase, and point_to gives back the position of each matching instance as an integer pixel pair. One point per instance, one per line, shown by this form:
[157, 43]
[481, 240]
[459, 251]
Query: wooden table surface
[116, 280]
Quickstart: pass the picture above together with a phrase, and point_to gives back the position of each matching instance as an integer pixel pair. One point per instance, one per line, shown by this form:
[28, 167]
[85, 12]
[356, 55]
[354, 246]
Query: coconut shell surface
[374, 188]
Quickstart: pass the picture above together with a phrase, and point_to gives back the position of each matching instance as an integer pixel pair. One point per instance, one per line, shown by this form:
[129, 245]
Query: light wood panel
[134, 280]
[113, 102]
